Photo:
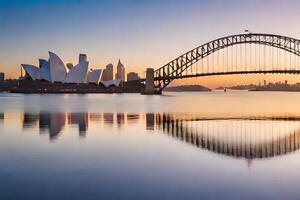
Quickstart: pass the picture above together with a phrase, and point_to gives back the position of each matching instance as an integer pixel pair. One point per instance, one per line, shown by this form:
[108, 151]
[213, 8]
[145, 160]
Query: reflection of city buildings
[108, 118]
[29, 120]
[150, 121]
[53, 123]
[81, 119]
[248, 139]
[133, 117]
[120, 119]
[97, 117]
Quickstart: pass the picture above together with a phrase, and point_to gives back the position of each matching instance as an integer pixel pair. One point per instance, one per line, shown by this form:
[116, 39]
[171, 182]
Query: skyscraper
[120, 71]
[108, 73]
[2, 77]
[82, 58]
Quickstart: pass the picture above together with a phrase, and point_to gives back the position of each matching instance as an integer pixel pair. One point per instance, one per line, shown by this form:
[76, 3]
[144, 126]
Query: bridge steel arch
[174, 69]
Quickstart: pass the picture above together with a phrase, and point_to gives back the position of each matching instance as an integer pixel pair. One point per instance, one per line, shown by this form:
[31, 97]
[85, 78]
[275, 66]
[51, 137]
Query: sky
[141, 33]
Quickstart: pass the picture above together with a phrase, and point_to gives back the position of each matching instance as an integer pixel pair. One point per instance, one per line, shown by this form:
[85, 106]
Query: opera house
[53, 76]
[55, 71]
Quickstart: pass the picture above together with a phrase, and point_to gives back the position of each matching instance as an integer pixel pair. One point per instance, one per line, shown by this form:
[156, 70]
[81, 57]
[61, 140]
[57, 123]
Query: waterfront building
[42, 62]
[78, 74]
[55, 71]
[2, 77]
[111, 83]
[120, 71]
[132, 76]
[108, 73]
[82, 58]
[94, 76]
[58, 70]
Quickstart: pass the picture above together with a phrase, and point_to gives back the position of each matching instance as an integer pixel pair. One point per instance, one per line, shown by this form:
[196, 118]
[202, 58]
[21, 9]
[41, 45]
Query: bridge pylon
[150, 87]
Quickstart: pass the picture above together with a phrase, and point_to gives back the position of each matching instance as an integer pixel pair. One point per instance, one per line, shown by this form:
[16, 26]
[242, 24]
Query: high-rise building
[108, 73]
[2, 77]
[82, 58]
[120, 71]
[132, 76]
[265, 82]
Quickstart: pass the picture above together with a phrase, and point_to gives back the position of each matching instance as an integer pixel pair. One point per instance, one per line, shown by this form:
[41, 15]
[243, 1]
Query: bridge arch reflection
[251, 138]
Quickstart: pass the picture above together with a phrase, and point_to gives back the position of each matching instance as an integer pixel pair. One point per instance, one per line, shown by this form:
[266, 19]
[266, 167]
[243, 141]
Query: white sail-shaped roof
[78, 74]
[32, 71]
[94, 76]
[111, 82]
[41, 62]
[58, 70]
[45, 71]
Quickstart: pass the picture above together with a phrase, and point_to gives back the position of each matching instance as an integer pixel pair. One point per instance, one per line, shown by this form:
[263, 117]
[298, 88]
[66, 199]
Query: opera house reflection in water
[248, 138]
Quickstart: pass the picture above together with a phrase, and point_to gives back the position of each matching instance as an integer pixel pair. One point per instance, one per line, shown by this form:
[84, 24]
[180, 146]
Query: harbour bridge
[248, 53]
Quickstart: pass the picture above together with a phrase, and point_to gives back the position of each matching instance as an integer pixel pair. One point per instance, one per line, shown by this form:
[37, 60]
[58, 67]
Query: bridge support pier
[150, 88]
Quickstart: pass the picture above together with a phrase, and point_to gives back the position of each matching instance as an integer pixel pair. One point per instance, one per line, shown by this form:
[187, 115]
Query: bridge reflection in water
[250, 138]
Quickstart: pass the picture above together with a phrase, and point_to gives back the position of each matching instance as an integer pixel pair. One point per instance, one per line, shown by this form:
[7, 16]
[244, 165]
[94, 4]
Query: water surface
[210, 145]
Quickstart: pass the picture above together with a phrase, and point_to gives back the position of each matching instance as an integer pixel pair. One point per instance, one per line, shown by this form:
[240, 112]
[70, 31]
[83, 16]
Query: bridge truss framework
[176, 68]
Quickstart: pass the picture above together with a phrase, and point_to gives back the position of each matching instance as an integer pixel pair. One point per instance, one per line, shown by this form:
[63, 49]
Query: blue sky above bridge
[141, 33]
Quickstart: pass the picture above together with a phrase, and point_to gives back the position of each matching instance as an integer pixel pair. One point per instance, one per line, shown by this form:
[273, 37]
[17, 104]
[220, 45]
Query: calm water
[210, 145]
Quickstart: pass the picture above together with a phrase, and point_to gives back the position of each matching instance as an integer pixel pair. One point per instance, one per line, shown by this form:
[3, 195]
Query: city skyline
[137, 32]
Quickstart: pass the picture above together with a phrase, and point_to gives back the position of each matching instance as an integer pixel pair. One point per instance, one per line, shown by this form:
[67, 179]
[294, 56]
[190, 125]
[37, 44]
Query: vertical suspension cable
[213, 62]
[202, 65]
[265, 58]
[191, 63]
[255, 57]
[241, 58]
[290, 60]
[259, 67]
[236, 58]
[218, 57]
[227, 59]
[298, 57]
[285, 60]
[277, 61]
[197, 65]
[231, 60]
[250, 56]
[245, 60]
[294, 61]
[271, 55]
[207, 63]
[223, 59]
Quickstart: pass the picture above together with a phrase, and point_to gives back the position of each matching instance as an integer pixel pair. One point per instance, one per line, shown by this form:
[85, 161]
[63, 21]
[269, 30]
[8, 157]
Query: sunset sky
[141, 33]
